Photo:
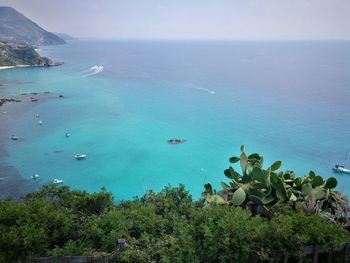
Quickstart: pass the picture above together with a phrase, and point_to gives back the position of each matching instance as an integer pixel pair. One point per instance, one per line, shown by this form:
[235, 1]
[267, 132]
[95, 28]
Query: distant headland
[22, 55]
[18, 38]
[15, 27]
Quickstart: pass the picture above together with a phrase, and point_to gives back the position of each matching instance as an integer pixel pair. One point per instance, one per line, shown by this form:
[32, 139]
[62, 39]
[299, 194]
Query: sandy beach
[6, 67]
[18, 66]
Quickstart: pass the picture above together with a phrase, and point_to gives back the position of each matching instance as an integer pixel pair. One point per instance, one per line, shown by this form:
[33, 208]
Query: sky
[191, 19]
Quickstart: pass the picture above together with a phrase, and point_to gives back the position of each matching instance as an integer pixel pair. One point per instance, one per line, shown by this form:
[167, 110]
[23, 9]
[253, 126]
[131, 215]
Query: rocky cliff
[14, 54]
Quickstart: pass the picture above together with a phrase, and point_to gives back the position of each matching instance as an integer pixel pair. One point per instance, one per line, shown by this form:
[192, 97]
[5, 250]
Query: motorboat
[38, 116]
[35, 176]
[80, 156]
[67, 134]
[57, 181]
[14, 138]
[40, 123]
[341, 169]
[176, 141]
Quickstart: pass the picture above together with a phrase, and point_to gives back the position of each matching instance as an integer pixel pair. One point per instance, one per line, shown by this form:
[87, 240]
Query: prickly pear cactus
[256, 186]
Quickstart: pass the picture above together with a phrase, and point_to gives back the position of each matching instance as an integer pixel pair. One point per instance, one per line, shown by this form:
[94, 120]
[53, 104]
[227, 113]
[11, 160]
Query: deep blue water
[286, 100]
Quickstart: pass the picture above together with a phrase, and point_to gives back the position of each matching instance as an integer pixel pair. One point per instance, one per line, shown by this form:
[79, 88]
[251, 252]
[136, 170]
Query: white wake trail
[94, 70]
[86, 71]
[204, 89]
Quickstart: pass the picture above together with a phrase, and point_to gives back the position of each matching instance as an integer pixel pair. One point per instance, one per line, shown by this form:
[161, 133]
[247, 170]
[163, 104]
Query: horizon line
[211, 39]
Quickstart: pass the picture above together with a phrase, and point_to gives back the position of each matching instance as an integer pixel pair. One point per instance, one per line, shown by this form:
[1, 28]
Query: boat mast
[346, 156]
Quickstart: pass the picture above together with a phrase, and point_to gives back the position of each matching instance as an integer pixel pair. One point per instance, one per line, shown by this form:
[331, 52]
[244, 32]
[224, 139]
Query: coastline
[27, 66]
[6, 67]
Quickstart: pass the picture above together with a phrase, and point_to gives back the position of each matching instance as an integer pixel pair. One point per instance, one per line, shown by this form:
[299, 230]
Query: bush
[263, 190]
[158, 227]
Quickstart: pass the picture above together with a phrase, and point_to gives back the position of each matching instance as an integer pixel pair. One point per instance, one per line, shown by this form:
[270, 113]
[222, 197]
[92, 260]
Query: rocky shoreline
[15, 98]
[15, 55]
[4, 101]
[52, 64]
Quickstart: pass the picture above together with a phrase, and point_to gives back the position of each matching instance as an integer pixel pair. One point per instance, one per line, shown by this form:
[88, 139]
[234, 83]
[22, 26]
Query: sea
[122, 100]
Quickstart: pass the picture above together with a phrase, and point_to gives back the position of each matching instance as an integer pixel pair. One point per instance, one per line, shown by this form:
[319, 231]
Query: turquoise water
[285, 100]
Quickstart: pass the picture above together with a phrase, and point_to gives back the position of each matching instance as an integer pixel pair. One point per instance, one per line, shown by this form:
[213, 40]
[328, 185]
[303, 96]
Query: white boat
[80, 156]
[340, 168]
[40, 122]
[67, 134]
[38, 116]
[35, 176]
[57, 181]
[14, 137]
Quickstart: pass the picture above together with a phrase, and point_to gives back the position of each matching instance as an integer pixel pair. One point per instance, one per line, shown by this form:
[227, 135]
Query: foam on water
[93, 70]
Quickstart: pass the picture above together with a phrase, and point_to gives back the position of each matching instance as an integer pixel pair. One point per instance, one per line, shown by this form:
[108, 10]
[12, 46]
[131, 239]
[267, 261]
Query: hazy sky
[215, 19]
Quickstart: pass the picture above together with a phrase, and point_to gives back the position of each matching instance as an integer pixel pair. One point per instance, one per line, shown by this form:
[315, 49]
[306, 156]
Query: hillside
[15, 27]
[12, 54]
[65, 36]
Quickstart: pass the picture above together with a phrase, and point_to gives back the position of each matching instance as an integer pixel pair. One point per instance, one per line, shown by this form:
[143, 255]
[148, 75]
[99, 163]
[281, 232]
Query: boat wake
[204, 89]
[93, 70]
[189, 86]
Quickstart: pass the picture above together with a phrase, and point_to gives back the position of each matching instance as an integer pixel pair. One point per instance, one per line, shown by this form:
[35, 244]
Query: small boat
[80, 156]
[35, 176]
[33, 100]
[14, 138]
[57, 181]
[341, 169]
[40, 123]
[38, 116]
[67, 134]
[176, 141]
[338, 168]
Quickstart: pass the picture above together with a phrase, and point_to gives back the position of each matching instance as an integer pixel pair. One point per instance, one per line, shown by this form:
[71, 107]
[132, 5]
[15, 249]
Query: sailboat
[338, 168]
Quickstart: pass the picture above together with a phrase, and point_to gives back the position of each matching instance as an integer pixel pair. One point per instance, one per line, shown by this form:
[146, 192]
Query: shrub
[261, 190]
[158, 227]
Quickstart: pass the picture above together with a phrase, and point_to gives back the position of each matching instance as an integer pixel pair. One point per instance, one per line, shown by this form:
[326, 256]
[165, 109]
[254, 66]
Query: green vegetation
[12, 54]
[170, 227]
[159, 227]
[264, 190]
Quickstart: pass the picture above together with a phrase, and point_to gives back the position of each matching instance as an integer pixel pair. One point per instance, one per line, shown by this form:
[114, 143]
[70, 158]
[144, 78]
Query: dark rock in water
[176, 141]
[13, 185]
[4, 101]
